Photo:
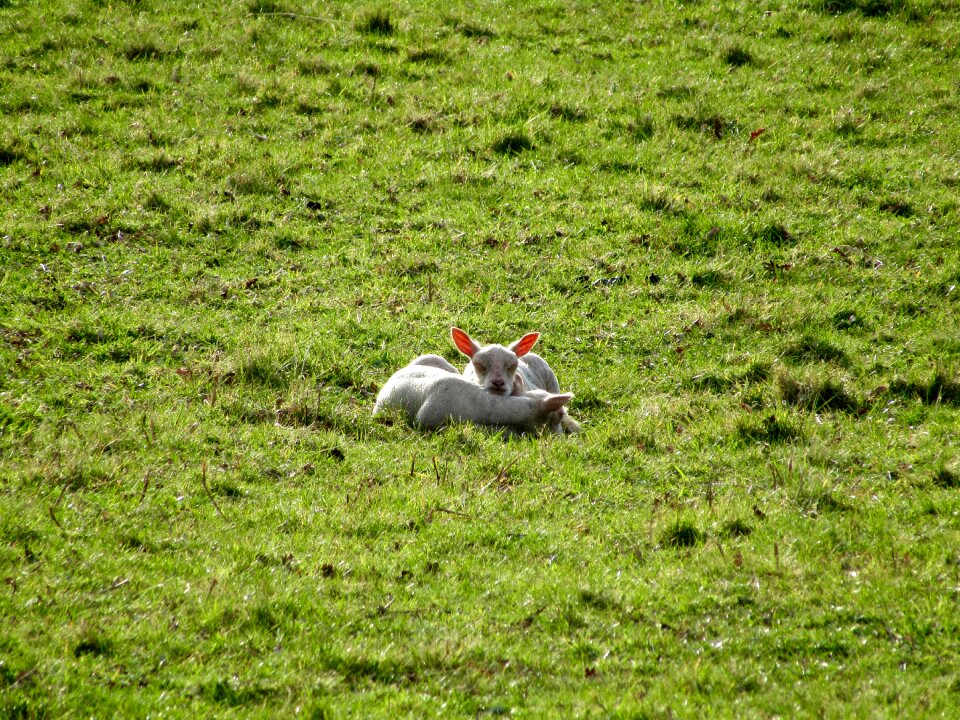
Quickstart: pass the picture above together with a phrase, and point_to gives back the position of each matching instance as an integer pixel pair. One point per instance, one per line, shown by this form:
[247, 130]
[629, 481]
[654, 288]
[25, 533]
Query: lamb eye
[479, 367]
[513, 367]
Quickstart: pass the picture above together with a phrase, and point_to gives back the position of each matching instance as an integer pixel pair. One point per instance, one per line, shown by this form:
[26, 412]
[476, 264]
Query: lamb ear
[463, 342]
[555, 402]
[522, 346]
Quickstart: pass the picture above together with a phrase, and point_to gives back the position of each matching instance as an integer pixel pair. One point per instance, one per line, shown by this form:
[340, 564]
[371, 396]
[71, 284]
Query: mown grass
[226, 224]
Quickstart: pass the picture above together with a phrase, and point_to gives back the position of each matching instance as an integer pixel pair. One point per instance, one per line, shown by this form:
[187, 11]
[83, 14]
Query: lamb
[433, 396]
[494, 367]
[435, 361]
[509, 370]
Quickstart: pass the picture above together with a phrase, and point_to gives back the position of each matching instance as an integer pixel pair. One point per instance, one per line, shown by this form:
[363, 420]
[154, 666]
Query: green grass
[226, 224]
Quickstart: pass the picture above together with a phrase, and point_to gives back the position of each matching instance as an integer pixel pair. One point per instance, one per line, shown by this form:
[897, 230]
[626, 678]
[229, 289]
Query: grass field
[224, 225]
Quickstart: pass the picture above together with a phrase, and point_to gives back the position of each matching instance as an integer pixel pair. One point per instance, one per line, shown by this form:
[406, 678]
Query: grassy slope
[224, 226]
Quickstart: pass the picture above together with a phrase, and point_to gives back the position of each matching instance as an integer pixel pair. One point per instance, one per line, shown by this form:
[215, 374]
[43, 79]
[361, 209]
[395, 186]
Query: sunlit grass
[225, 225]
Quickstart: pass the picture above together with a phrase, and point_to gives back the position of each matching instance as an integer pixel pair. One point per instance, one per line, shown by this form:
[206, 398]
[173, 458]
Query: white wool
[432, 396]
[494, 367]
[435, 361]
[510, 370]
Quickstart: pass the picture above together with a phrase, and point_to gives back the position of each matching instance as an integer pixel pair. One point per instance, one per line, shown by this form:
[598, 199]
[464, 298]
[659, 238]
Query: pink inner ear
[555, 402]
[522, 346]
[463, 342]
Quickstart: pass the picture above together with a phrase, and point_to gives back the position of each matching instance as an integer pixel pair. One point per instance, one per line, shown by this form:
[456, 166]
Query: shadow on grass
[817, 394]
[682, 534]
[513, 144]
[809, 348]
[771, 429]
[820, 501]
[942, 387]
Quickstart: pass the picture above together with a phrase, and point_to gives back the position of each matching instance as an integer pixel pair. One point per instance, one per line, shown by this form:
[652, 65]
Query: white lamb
[509, 370]
[494, 367]
[433, 396]
[435, 361]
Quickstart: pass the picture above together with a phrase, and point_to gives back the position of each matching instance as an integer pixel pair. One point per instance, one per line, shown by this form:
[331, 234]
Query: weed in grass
[946, 475]
[707, 123]
[771, 428]
[869, 8]
[848, 319]
[289, 241]
[736, 528]
[266, 7]
[774, 235]
[423, 124]
[370, 69]
[815, 502]
[145, 50]
[256, 181]
[598, 600]
[157, 162]
[377, 22]
[11, 152]
[757, 371]
[694, 240]
[709, 279]
[682, 534]
[316, 65]
[426, 55]
[304, 414]
[266, 367]
[676, 92]
[897, 207]
[712, 382]
[656, 199]
[567, 113]
[818, 393]
[230, 693]
[737, 56]
[642, 127]
[156, 201]
[942, 387]
[811, 348]
[136, 543]
[470, 29]
[15, 422]
[92, 644]
[513, 143]
[847, 123]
